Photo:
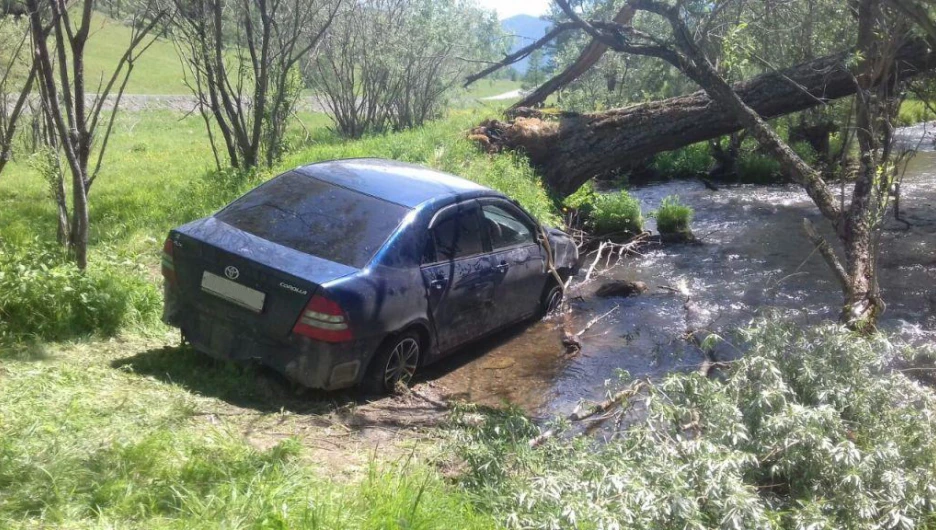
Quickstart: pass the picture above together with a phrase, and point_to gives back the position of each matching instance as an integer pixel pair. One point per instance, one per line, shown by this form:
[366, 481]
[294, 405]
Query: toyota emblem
[231, 272]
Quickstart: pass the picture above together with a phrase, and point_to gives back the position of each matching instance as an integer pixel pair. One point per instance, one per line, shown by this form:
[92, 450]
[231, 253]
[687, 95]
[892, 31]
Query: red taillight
[168, 261]
[323, 320]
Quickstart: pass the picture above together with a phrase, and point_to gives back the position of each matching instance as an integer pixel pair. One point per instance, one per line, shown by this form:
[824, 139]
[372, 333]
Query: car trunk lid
[227, 274]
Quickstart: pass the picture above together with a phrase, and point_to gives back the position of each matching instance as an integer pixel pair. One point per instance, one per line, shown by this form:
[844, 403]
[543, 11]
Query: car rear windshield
[315, 217]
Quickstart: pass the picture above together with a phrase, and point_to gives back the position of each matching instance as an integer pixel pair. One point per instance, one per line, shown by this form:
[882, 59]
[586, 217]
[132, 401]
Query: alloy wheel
[401, 364]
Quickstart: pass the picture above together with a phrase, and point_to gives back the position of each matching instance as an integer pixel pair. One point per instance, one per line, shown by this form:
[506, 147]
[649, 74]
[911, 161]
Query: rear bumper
[311, 363]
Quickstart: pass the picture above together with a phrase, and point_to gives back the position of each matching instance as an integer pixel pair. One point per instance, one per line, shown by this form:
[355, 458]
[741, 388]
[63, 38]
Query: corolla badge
[293, 288]
[231, 272]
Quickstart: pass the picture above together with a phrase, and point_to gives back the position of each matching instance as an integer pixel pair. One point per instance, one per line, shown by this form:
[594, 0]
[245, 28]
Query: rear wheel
[394, 365]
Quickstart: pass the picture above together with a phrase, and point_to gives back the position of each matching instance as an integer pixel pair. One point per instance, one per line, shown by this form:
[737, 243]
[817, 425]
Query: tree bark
[576, 147]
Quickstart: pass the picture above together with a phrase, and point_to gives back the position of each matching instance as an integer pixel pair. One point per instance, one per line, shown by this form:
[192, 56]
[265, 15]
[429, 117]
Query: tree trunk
[576, 147]
[79, 222]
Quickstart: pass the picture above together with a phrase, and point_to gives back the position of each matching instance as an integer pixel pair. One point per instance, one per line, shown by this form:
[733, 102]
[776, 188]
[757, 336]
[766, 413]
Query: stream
[753, 259]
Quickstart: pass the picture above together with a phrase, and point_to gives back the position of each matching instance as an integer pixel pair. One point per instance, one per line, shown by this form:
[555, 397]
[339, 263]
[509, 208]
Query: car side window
[505, 227]
[455, 235]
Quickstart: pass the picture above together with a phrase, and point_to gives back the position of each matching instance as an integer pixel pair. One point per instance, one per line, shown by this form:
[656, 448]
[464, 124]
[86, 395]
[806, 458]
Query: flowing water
[753, 259]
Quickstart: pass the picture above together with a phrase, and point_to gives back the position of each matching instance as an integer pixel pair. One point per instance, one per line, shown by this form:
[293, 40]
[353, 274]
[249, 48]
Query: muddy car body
[358, 271]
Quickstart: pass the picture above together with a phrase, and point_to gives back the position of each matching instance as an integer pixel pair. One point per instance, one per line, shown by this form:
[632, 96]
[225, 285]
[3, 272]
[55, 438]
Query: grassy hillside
[158, 173]
[158, 71]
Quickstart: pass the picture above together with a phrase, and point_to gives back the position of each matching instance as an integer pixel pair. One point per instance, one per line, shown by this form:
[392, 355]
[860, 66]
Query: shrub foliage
[43, 295]
[810, 430]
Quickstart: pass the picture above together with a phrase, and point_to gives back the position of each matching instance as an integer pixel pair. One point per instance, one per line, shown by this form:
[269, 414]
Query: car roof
[405, 184]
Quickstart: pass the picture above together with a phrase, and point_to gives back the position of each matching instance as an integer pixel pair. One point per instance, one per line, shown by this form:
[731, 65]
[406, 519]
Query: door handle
[502, 268]
[438, 283]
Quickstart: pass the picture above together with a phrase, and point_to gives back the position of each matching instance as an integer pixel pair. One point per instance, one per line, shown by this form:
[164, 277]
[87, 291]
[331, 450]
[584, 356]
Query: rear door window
[316, 217]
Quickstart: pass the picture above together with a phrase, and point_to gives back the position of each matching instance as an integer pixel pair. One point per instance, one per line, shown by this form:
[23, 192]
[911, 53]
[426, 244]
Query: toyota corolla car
[359, 272]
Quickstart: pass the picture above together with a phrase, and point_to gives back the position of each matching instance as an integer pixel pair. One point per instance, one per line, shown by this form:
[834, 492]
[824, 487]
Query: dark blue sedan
[359, 272]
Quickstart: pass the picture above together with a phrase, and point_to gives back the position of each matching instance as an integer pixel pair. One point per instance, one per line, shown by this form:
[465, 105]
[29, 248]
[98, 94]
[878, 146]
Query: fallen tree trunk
[572, 149]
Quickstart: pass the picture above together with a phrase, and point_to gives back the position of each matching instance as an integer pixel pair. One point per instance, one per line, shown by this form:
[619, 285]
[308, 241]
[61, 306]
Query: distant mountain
[526, 29]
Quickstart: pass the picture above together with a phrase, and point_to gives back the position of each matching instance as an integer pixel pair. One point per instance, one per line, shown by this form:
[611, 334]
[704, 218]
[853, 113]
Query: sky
[509, 8]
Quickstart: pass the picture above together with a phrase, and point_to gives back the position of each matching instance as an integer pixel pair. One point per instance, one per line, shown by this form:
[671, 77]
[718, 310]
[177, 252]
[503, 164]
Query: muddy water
[753, 258]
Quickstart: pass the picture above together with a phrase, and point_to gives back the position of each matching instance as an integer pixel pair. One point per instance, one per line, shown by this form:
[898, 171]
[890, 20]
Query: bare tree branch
[522, 53]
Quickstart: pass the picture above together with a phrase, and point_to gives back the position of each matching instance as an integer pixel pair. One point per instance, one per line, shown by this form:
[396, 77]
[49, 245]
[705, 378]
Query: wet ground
[753, 258]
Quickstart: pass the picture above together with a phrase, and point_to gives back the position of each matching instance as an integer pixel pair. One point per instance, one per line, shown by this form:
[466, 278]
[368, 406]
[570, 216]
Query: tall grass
[913, 111]
[753, 167]
[673, 217]
[617, 214]
[607, 214]
[685, 162]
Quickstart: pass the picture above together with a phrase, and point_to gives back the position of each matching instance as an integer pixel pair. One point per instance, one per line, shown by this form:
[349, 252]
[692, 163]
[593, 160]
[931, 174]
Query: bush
[583, 200]
[811, 429]
[688, 161]
[673, 217]
[617, 214]
[756, 168]
[44, 296]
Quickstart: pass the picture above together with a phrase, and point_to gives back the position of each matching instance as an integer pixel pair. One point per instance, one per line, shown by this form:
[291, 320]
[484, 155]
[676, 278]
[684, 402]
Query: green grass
[913, 111]
[158, 71]
[112, 432]
[685, 162]
[614, 215]
[158, 173]
[673, 217]
[617, 214]
[43, 295]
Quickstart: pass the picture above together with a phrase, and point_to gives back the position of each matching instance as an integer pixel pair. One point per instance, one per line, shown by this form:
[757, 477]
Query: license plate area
[233, 292]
